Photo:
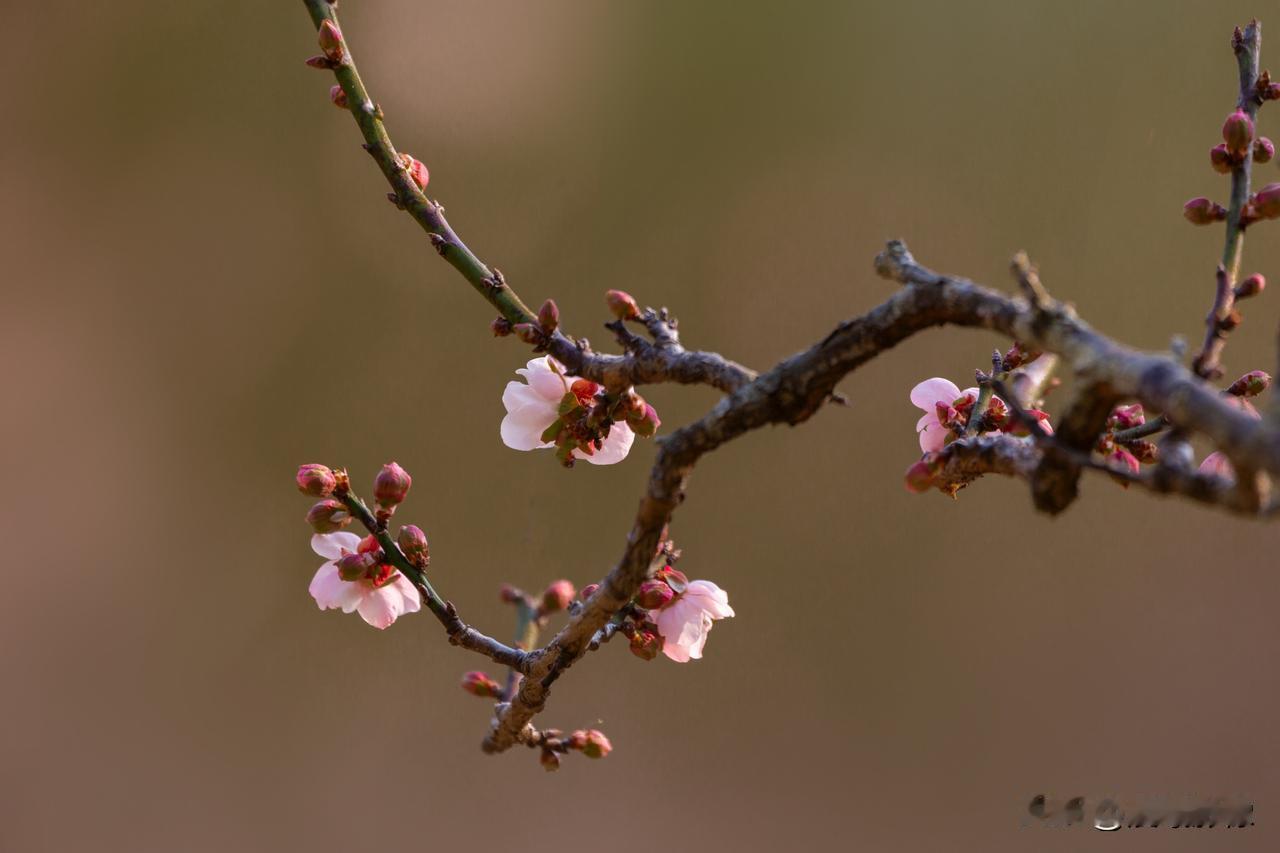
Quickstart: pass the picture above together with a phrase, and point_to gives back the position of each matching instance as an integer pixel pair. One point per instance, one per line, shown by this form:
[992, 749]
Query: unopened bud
[1251, 384]
[391, 485]
[1237, 132]
[1271, 92]
[1220, 158]
[920, 476]
[1263, 150]
[1251, 286]
[479, 684]
[501, 327]
[352, 567]
[413, 544]
[328, 516]
[558, 596]
[323, 63]
[417, 170]
[621, 305]
[549, 760]
[1146, 451]
[549, 316]
[1127, 417]
[1266, 204]
[594, 744]
[1233, 319]
[645, 645]
[588, 591]
[338, 95]
[646, 422]
[528, 333]
[330, 38]
[1123, 458]
[316, 480]
[509, 594]
[654, 594]
[1202, 211]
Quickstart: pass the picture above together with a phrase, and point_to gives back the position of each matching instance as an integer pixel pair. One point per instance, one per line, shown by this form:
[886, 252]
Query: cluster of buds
[535, 334]
[587, 413]
[320, 481]
[1238, 142]
[1124, 452]
[590, 742]
[638, 625]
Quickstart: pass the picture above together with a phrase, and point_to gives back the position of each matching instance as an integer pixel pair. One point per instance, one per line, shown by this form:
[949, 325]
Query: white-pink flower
[928, 395]
[533, 407]
[685, 622]
[377, 605]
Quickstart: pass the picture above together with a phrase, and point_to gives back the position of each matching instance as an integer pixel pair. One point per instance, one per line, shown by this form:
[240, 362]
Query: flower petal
[331, 592]
[523, 428]
[331, 545]
[615, 447]
[930, 392]
[933, 436]
[517, 395]
[381, 607]
[712, 599]
[409, 592]
[548, 382]
[1216, 464]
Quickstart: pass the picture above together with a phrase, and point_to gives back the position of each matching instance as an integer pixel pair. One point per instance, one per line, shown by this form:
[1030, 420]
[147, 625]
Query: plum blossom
[930, 395]
[686, 620]
[533, 407]
[378, 602]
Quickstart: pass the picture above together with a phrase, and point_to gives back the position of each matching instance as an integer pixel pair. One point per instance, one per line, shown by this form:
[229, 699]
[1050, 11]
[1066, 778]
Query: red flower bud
[645, 423]
[654, 594]
[416, 169]
[1201, 211]
[557, 596]
[328, 516]
[391, 485]
[595, 744]
[338, 96]
[549, 760]
[1263, 150]
[1237, 132]
[645, 645]
[1251, 384]
[588, 591]
[920, 476]
[1127, 417]
[1266, 204]
[549, 316]
[1272, 92]
[330, 38]
[621, 305]
[316, 480]
[1122, 457]
[1220, 158]
[352, 567]
[413, 544]
[323, 63]
[479, 684]
[1251, 286]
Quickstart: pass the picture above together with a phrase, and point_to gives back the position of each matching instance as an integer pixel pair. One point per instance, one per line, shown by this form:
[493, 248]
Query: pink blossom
[929, 395]
[379, 605]
[533, 407]
[1216, 464]
[685, 622]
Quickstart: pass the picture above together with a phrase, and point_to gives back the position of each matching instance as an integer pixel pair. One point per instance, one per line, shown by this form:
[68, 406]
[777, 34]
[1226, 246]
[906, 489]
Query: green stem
[393, 555]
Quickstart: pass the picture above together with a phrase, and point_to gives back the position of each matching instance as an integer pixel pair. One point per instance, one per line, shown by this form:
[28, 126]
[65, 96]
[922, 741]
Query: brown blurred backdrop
[204, 287]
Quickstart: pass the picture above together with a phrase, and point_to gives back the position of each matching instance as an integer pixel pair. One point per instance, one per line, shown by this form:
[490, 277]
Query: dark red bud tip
[1202, 211]
[1263, 150]
[621, 305]
[588, 591]
[416, 169]
[328, 516]
[1237, 132]
[1221, 160]
[338, 96]
[558, 596]
[1266, 204]
[391, 486]
[549, 316]
[323, 63]
[316, 480]
[330, 38]
[1251, 384]
[528, 333]
[479, 684]
[1251, 286]
[501, 327]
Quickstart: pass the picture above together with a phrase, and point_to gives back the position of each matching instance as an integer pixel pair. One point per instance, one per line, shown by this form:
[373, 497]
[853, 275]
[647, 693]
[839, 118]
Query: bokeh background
[205, 287]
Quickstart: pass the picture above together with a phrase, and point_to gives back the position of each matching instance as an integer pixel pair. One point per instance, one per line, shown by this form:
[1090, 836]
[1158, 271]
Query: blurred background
[205, 287]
